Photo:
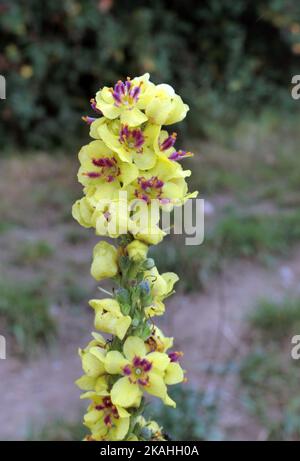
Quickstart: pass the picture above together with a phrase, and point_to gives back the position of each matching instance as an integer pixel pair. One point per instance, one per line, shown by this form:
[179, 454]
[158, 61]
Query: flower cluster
[129, 172]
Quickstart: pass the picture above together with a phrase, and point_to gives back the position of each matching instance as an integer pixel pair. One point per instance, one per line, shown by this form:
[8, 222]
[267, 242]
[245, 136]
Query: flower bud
[137, 250]
[105, 260]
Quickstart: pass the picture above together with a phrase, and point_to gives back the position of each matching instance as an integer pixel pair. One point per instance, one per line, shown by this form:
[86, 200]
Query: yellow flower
[101, 167]
[111, 217]
[91, 364]
[163, 146]
[150, 429]
[96, 378]
[82, 212]
[97, 123]
[137, 250]
[144, 222]
[166, 107]
[126, 100]
[91, 383]
[150, 235]
[161, 287]
[164, 183]
[131, 144]
[141, 372]
[109, 317]
[157, 341]
[105, 420]
[105, 261]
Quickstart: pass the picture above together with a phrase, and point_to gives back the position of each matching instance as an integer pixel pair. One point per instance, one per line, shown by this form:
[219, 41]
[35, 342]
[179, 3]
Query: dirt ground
[35, 392]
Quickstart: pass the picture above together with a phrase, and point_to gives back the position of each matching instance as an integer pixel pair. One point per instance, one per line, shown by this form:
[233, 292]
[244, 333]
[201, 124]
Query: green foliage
[271, 383]
[75, 236]
[277, 319]
[270, 377]
[59, 431]
[25, 313]
[220, 56]
[195, 416]
[72, 291]
[33, 252]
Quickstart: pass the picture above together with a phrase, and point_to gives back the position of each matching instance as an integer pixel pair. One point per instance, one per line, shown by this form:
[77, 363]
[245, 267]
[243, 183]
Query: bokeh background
[238, 303]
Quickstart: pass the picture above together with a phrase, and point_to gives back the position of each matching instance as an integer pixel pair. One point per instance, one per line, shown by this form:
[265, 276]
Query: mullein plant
[131, 159]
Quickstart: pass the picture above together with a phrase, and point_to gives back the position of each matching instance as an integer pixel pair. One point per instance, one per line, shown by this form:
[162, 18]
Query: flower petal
[120, 429]
[115, 362]
[156, 386]
[174, 374]
[133, 117]
[125, 394]
[134, 346]
[86, 383]
[159, 360]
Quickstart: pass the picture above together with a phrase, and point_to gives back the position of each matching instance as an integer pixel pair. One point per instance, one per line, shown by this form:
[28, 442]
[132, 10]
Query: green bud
[149, 263]
[123, 296]
[135, 322]
[125, 308]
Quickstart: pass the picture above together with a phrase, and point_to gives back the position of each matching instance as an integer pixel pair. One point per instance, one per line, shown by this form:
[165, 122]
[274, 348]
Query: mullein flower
[142, 372]
[112, 218]
[161, 287]
[105, 420]
[164, 145]
[164, 183]
[157, 341]
[165, 107]
[137, 250]
[105, 261]
[132, 144]
[100, 166]
[130, 172]
[109, 318]
[95, 378]
[126, 100]
[91, 364]
[82, 212]
[150, 429]
[145, 223]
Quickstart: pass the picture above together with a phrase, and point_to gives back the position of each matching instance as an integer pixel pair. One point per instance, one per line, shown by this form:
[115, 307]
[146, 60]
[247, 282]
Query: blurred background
[238, 303]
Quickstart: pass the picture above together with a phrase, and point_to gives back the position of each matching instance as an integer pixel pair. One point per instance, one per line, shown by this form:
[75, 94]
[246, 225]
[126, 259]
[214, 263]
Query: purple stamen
[143, 382]
[127, 370]
[88, 120]
[94, 106]
[93, 174]
[125, 93]
[133, 139]
[100, 407]
[150, 188]
[175, 356]
[136, 361]
[180, 154]
[107, 420]
[104, 162]
[146, 365]
[168, 142]
[135, 92]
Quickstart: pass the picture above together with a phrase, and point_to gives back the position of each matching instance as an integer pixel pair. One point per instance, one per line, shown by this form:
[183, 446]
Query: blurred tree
[222, 56]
